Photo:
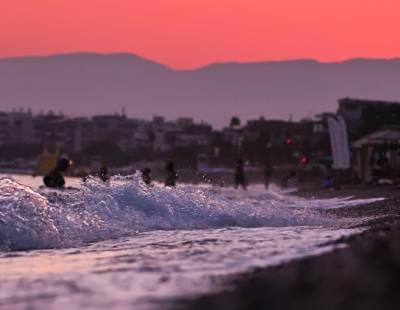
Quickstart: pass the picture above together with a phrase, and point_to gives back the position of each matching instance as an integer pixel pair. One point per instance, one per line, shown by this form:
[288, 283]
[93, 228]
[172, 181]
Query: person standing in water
[146, 176]
[103, 175]
[55, 178]
[267, 174]
[285, 180]
[172, 176]
[240, 179]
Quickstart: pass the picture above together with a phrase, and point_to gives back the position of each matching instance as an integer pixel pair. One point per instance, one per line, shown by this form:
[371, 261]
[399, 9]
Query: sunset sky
[192, 33]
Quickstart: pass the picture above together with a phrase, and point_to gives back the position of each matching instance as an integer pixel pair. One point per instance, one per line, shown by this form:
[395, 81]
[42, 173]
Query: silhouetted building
[365, 116]
[16, 127]
[377, 155]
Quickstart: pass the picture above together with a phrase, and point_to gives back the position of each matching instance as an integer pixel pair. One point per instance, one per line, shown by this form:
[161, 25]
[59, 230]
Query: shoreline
[363, 274]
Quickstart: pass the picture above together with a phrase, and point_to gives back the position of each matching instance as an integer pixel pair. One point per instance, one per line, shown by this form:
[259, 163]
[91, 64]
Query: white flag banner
[339, 142]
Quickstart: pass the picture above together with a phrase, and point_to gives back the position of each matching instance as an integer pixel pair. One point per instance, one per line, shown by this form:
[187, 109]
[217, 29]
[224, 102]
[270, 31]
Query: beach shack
[377, 156]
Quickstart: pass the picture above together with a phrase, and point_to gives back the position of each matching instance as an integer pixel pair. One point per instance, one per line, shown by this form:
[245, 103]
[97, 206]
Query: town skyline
[184, 138]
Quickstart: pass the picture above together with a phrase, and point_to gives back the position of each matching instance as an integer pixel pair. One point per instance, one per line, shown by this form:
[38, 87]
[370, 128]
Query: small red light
[304, 160]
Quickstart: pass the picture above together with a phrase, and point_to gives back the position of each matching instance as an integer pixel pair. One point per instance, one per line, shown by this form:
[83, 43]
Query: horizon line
[206, 65]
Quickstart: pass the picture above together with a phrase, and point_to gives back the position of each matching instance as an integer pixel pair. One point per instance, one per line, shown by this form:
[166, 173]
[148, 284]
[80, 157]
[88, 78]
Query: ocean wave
[43, 219]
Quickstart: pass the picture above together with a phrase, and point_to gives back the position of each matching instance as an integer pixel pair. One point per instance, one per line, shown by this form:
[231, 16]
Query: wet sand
[364, 274]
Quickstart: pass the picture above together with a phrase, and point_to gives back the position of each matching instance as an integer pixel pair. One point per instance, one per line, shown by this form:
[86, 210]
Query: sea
[125, 245]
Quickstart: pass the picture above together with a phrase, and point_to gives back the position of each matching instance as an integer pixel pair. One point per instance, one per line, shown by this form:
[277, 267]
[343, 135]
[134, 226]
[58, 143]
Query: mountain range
[90, 84]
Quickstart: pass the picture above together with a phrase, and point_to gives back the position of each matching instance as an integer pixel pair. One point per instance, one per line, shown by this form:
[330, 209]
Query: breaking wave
[32, 219]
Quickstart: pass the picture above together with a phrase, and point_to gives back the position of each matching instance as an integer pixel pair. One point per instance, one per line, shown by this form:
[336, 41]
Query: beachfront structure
[377, 155]
[3, 127]
[365, 116]
[16, 127]
[277, 131]
[352, 109]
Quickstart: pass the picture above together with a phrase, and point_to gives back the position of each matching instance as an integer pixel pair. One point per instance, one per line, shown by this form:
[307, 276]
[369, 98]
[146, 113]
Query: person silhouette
[172, 176]
[146, 176]
[55, 178]
[239, 177]
[103, 175]
[285, 180]
[267, 174]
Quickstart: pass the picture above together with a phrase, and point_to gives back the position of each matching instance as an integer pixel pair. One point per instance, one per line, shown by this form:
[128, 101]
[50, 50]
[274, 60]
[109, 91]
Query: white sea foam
[99, 211]
[178, 241]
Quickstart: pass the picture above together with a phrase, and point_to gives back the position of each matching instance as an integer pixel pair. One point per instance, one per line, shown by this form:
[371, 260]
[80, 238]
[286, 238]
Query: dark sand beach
[363, 274]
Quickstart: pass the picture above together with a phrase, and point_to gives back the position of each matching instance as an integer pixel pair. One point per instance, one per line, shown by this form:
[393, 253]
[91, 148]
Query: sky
[194, 33]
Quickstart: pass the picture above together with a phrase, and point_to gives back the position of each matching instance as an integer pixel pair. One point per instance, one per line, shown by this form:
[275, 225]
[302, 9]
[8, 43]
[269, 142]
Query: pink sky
[192, 33]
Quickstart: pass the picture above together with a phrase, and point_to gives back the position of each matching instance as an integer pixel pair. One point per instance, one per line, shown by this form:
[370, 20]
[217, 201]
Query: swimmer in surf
[55, 178]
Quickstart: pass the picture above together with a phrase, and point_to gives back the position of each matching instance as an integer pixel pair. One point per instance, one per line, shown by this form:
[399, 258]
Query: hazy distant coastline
[89, 84]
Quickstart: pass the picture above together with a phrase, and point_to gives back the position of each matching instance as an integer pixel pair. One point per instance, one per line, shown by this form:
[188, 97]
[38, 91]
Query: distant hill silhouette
[88, 84]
